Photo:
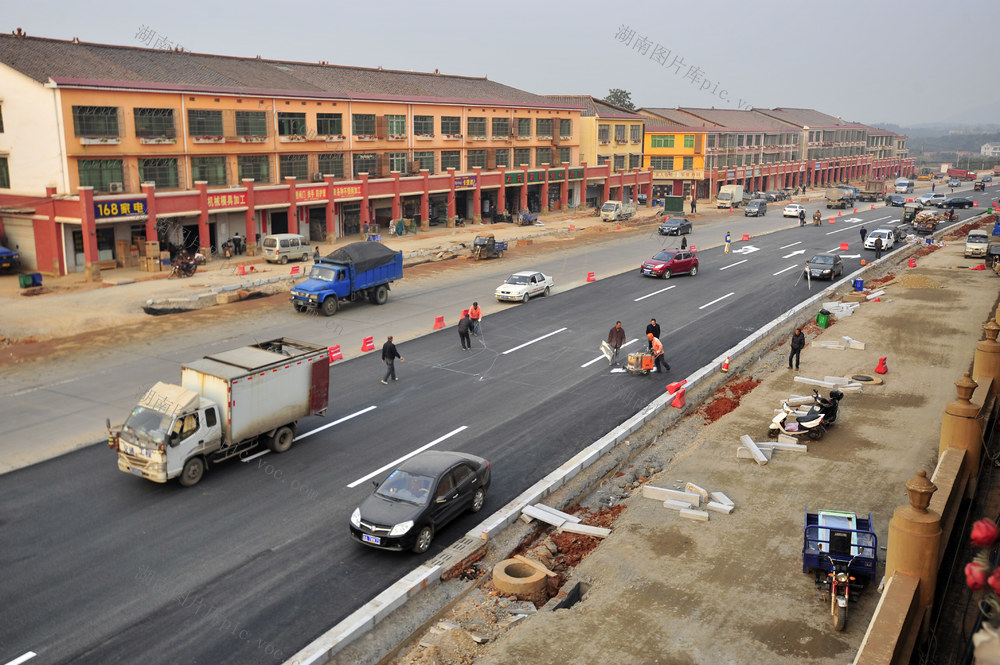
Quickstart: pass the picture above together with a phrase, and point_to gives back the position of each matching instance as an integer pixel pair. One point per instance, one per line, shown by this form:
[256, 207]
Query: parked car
[931, 198]
[674, 226]
[9, 258]
[894, 200]
[954, 182]
[976, 244]
[417, 499]
[792, 210]
[285, 247]
[887, 235]
[824, 266]
[670, 262]
[955, 202]
[987, 178]
[776, 195]
[756, 208]
[523, 286]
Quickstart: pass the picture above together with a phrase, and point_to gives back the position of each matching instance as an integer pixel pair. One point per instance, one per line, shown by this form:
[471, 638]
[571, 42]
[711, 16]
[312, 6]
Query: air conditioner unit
[116, 187]
[317, 177]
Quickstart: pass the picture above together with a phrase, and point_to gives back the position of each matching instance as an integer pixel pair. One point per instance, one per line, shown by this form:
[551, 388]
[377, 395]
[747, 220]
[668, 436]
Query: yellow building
[675, 152]
[608, 133]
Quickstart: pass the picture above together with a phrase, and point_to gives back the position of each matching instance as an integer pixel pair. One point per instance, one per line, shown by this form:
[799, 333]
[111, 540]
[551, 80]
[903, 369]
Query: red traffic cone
[881, 369]
[675, 386]
[831, 220]
[746, 236]
[241, 270]
[590, 277]
[877, 300]
[725, 364]
[913, 262]
[438, 322]
[843, 246]
[838, 214]
[295, 270]
[730, 208]
[367, 344]
[335, 354]
[856, 210]
[678, 401]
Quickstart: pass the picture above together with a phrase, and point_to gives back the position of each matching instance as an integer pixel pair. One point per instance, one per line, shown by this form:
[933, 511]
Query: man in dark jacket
[878, 248]
[798, 343]
[616, 339]
[463, 332]
[654, 328]
[389, 355]
[864, 234]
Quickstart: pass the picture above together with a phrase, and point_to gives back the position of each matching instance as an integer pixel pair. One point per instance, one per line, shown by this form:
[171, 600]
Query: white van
[976, 244]
[903, 186]
[285, 247]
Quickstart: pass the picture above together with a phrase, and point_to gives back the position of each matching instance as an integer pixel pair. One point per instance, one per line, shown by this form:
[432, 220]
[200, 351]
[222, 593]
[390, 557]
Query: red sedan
[670, 262]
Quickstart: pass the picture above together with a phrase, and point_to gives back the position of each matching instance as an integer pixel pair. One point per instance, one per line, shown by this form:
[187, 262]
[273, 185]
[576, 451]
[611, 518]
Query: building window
[99, 173]
[293, 165]
[565, 128]
[634, 161]
[397, 161]
[204, 123]
[254, 166]
[291, 124]
[602, 160]
[365, 162]
[332, 164]
[522, 156]
[604, 133]
[543, 156]
[477, 126]
[251, 123]
[710, 140]
[154, 123]
[330, 124]
[501, 157]
[564, 154]
[424, 160]
[451, 159]
[4, 174]
[501, 128]
[543, 128]
[161, 171]
[210, 169]
[1, 119]
[524, 127]
[635, 133]
[451, 125]
[620, 133]
[662, 141]
[474, 158]
[396, 125]
[423, 125]
[619, 162]
[662, 163]
[688, 163]
[95, 121]
[363, 124]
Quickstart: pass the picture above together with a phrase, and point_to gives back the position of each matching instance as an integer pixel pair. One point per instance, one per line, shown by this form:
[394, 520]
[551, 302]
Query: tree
[619, 97]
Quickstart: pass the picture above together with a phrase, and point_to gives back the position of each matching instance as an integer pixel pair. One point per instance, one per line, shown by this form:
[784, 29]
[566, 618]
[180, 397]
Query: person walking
[658, 358]
[616, 339]
[878, 248]
[476, 314]
[464, 325]
[729, 239]
[802, 217]
[653, 328]
[684, 242]
[389, 355]
[864, 234]
[694, 204]
[798, 343]
[933, 185]
[315, 253]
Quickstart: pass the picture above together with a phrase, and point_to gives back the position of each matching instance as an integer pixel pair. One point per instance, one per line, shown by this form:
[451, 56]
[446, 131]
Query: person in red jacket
[475, 313]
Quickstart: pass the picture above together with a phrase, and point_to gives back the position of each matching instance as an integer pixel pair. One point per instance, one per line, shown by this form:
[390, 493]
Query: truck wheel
[500, 254]
[381, 295]
[281, 441]
[193, 470]
[329, 306]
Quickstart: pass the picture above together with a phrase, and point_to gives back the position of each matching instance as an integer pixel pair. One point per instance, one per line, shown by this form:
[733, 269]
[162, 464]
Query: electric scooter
[813, 423]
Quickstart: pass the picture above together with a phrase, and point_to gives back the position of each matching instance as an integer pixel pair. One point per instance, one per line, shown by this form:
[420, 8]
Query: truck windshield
[724, 196]
[147, 427]
[324, 273]
[609, 207]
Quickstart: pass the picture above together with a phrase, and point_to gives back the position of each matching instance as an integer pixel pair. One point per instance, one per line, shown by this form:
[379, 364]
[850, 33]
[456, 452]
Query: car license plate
[374, 540]
[647, 271]
[135, 472]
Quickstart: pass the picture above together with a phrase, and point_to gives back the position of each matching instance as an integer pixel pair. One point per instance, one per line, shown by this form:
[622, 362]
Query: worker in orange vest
[475, 313]
[658, 358]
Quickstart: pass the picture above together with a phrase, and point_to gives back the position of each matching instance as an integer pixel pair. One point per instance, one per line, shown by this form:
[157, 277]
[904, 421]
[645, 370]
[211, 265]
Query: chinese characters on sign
[465, 181]
[346, 191]
[105, 209]
[232, 200]
[306, 194]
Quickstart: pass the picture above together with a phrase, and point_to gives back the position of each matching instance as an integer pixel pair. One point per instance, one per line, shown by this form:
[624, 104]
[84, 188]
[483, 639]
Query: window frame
[421, 125]
[362, 124]
[451, 125]
[160, 122]
[251, 123]
[330, 124]
[294, 164]
[197, 168]
[172, 163]
[244, 163]
[476, 126]
[111, 122]
[206, 121]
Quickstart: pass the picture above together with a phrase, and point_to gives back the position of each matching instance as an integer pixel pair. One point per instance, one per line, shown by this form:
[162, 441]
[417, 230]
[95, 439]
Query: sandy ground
[668, 590]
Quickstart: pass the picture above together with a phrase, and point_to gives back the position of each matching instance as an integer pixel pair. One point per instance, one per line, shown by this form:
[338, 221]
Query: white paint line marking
[617, 370]
[792, 245]
[795, 253]
[406, 457]
[717, 300]
[23, 659]
[796, 265]
[335, 422]
[650, 295]
[537, 339]
[733, 264]
[602, 357]
[260, 454]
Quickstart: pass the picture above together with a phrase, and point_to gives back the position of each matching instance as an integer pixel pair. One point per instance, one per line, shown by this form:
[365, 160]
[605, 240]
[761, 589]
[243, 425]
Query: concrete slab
[719, 497]
[719, 507]
[697, 515]
[586, 530]
[674, 504]
[756, 452]
[662, 494]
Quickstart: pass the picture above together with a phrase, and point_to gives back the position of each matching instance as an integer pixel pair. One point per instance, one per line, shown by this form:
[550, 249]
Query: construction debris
[719, 497]
[873, 296]
[743, 452]
[586, 530]
[699, 515]
[719, 507]
[784, 438]
[674, 504]
[835, 344]
[691, 487]
[662, 494]
[534, 564]
[543, 515]
[853, 343]
[558, 513]
[756, 452]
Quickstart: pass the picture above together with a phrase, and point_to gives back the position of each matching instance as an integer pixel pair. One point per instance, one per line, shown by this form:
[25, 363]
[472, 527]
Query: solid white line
[650, 295]
[786, 269]
[406, 457]
[335, 422]
[603, 357]
[23, 659]
[733, 264]
[716, 300]
[792, 245]
[537, 339]
[260, 454]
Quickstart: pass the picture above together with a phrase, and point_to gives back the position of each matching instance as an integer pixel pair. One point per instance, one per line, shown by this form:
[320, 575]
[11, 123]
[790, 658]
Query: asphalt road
[251, 564]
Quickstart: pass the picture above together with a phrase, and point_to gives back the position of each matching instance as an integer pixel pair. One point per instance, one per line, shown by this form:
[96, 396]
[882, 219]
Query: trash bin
[36, 279]
[859, 285]
[24, 281]
[823, 318]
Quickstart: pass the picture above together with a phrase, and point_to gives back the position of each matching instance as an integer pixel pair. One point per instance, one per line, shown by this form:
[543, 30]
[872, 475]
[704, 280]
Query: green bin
[24, 281]
[823, 319]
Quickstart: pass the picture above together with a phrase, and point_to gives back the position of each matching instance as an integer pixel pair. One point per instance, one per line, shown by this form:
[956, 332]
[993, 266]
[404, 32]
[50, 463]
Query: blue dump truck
[355, 271]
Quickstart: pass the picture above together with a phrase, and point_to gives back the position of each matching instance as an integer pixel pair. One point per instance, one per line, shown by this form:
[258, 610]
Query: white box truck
[615, 211]
[729, 196]
[226, 405]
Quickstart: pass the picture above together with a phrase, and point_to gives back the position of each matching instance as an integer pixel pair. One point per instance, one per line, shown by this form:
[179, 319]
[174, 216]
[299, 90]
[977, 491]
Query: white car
[932, 198]
[887, 236]
[523, 285]
[792, 210]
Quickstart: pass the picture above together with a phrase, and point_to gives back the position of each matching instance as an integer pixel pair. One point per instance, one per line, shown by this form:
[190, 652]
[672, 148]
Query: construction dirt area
[731, 590]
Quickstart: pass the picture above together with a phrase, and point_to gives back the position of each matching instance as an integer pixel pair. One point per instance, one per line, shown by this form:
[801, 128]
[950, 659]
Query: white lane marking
[733, 264]
[537, 339]
[796, 265]
[45, 387]
[650, 295]
[850, 256]
[792, 245]
[749, 249]
[408, 456]
[335, 422]
[854, 221]
[795, 253]
[260, 454]
[603, 357]
[23, 659]
[717, 300]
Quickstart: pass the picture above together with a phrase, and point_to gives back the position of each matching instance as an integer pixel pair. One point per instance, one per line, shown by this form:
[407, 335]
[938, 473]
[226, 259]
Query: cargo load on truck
[874, 190]
[353, 272]
[839, 198]
[926, 222]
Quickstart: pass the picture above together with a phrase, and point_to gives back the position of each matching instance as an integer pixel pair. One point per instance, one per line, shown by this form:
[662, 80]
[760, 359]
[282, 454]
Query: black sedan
[422, 495]
[674, 226]
[955, 202]
[824, 266]
[895, 200]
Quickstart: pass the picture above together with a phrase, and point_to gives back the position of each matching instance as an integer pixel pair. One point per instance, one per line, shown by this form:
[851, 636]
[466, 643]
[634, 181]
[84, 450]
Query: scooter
[813, 423]
[838, 586]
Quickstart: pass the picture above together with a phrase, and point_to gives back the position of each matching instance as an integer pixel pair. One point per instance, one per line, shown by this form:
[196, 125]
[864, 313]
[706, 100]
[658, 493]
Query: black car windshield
[664, 256]
[518, 279]
[821, 258]
[404, 486]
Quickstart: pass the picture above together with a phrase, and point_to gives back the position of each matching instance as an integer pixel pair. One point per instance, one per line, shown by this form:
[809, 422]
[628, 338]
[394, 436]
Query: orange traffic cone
[438, 322]
[335, 353]
[725, 364]
[678, 401]
[675, 386]
[590, 277]
[368, 344]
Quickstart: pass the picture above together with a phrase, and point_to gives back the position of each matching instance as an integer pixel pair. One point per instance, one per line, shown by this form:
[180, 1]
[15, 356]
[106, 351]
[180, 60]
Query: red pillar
[88, 228]
[502, 193]
[149, 189]
[250, 217]
[203, 235]
[477, 196]
[545, 188]
[564, 187]
[47, 239]
[365, 217]
[293, 206]
[607, 186]
[524, 188]
[451, 198]
[425, 222]
[583, 185]
[397, 204]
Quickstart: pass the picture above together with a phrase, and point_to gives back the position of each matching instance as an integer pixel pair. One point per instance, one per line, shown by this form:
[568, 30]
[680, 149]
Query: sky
[874, 61]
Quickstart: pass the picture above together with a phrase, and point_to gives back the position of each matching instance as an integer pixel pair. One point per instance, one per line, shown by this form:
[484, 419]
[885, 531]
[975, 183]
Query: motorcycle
[817, 219]
[838, 588]
[184, 267]
[814, 423]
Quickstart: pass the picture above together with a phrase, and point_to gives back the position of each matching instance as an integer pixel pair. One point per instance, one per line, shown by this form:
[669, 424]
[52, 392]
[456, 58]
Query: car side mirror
[374, 483]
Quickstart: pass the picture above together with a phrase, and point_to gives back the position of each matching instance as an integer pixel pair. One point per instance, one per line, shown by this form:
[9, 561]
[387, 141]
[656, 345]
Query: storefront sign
[230, 200]
[576, 174]
[346, 191]
[730, 174]
[536, 176]
[106, 209]
[313, 193]
[516, 178]
[464, 181]
[557, 175]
